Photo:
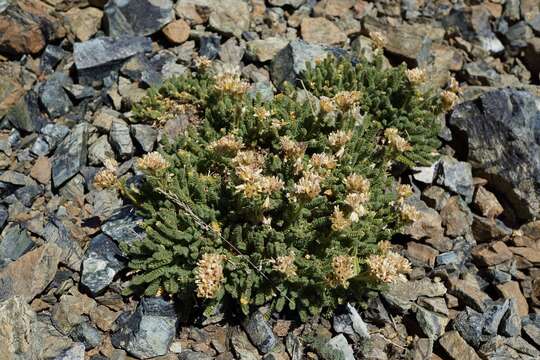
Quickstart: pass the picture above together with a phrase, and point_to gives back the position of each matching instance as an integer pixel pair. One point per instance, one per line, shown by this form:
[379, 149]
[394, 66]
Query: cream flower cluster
[388, 266]
[152, 163]
[344, 268]
[396, 141]
[209, 275]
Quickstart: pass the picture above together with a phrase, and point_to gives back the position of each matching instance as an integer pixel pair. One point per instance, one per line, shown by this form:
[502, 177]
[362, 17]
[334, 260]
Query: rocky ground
[69, 73]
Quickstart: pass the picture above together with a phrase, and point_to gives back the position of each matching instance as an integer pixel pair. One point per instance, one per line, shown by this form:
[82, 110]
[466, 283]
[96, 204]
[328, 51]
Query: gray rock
[75, 352]
[137, 17]
[145, 136]
[86, 334]
[260, 333]
[100, 151]
[511, 322]
[500, 133]
[480, 73]
[14, 242]
[498, 348]
[209, 46]
[149, 331]
[25, 114]
[294, 347]
[53, 97]
[70, 155]
[242, 347]
[120, 139]
[102, 261]
[230, 17]
[469, 324]
[350, 323]
[79, 92]
[24, 336]
[193, 355]
[447, 258]
[27, 194]
[291, 60]
[51, 56]
[3, 216]
[518, 34]
[96, 58]
[123, 226]
[340, 345]
[293, 3]
[53, 134]
[57, 233]
[456, 176]
[432, 324]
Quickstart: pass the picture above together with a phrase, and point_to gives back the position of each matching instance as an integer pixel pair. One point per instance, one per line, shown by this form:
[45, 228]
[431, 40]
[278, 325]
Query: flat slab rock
[500, 133]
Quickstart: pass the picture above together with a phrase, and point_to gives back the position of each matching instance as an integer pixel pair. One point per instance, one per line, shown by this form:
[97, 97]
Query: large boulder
[499, 134]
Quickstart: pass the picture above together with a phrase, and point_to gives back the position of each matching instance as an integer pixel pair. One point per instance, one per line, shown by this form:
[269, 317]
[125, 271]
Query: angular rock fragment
[137, 17]
[70, 155]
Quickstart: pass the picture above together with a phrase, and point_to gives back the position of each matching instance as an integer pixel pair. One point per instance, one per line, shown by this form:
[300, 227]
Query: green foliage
[294, 193]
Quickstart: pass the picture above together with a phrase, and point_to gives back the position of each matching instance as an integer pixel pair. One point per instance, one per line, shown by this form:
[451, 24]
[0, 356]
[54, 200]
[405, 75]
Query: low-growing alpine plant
[288, 202]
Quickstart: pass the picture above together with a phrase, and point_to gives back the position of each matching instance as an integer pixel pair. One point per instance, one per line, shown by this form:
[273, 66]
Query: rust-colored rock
[177, 31]
[486, 202]
[25, 28]
[492, 254]
[321, 31]
[422, 253]
[511, 290]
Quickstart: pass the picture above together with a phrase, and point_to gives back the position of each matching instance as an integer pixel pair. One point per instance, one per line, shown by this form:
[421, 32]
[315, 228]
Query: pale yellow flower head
[344, 269]
[449, 100]
[339, 221]
[309, 185]
[416, 76]
[357, 183]
[228, 144]
[396, 141]
[209, 275]
[285, 265]
[152, 162]
[105, 179]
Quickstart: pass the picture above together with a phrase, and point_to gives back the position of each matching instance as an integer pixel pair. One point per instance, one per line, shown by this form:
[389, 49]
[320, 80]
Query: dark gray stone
[431, 323]
[260, 333]
[28, 193]
[123, 226]
[70, 155]
[96, 58]
[294, 347]
[469, 324]
[14, 242]
[86, 334]
[456, 176]
[102, 261]
[480, 73]
[51, 56]
[511, 323]
[75, 352]
[79, 92]
[137, 17]
[349, 322]
[25, 114]
[499, 132]
[291, 60]
[120, 139]
[3, 216]
[149, 331]
[145, 136]
[53, 97]
[447, 258]
[341, 347]
[142, 70]
[518, 34]
[209, 46]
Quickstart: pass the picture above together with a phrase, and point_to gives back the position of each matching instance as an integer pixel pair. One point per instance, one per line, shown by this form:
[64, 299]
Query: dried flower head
[338, 220]
[323, 161]
[449, 100]
[291, 148]
[339, 138]
[356, 202]
[285, 265]
[453, 86]
[345, 100]
[379, 40]
[384, 246]
[357, 183]
[105, 179]
[404, 191]
[416, 76]
[396, 141]
[261, 113]
[209, 275]
[228, 81]
[309, 185]
[388, 267]
[202, 63]
[271, 184]
[249, 158]
[409, 213]
[152, 162]
[228, 144]
[110, 164]
[344, 269]
[327, 105]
